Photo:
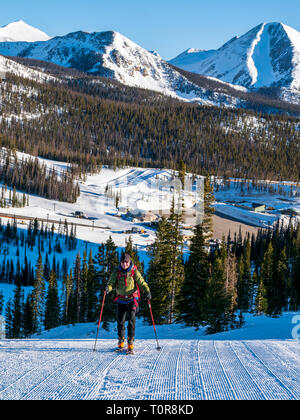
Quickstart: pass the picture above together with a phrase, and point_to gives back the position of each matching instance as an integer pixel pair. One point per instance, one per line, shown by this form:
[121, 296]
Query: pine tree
[9, 320]
[208, 209]
[261, 300]
[52, 309]
[111, 263]
[281, 279]
[193, 290]
[244, 277]
[1, 301]
[295, 275]
[181, 173]
[231, 280]
[78, 286]
[176, 259]
[17, 311]
[159, 274]
[28, 318]
[84, 293]
[266, 275]
[217, 301]
[38, 295]
[132, 251]
[92, 290]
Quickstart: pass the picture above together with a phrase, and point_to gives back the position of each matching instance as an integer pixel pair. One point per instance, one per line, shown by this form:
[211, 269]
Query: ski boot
[130, 346]
[121, 344]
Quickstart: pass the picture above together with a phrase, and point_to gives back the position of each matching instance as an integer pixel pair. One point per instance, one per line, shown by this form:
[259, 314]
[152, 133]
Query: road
[52, 221]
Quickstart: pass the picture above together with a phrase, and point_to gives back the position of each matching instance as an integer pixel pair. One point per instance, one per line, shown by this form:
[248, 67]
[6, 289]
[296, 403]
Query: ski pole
[158, 346]
[102, 306]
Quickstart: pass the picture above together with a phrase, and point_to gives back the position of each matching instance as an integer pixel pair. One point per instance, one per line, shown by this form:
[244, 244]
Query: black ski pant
[128, 309]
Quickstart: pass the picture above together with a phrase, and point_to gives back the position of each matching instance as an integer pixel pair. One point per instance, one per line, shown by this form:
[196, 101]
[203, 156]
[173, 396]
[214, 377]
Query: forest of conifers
[71, 122]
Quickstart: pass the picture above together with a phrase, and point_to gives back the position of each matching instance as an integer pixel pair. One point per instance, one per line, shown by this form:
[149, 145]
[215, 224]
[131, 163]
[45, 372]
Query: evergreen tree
[231, 279]
[17, 312]
[159, 274]
[176, 259]
[281, 279]
[244, 277]
[84, 287]
[261, 300]
[38, 295]
[78, 286]
[9, 319]
[92, 290]
[28, 318]
[295, 275]
[217, 301]
[132, 251]
[107, 262]
[266, 275]
[193, 290]
[1, 301]
[52, 309]
[208, 209]
[181, 173]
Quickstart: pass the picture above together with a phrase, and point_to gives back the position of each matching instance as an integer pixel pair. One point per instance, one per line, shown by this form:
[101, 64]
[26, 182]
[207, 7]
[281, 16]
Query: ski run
[235, 365]
[182, 370]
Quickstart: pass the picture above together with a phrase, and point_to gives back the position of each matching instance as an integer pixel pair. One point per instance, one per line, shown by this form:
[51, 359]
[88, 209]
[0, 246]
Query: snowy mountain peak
[110, 54]
[21, 31]
[266, 56]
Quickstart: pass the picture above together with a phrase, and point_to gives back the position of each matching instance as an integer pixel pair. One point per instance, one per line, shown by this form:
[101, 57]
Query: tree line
[88, 131]
[210, 286]
[31, 176]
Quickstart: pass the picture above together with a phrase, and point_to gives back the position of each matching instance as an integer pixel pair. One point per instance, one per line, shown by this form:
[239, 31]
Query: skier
[127, 280]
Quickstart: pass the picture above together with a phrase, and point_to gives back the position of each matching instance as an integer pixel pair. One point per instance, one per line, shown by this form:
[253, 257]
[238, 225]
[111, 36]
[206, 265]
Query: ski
[117, 350]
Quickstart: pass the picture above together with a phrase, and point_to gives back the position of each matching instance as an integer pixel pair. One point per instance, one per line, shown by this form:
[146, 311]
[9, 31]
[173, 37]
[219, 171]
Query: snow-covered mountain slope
[190, 58]
[21, 31]
[10, 66]
[112, 55]
[266, 56]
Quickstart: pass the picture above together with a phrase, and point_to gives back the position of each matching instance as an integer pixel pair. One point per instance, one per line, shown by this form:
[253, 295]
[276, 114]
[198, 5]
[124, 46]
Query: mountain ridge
[110, 54]
[240, 64]
[268, 55]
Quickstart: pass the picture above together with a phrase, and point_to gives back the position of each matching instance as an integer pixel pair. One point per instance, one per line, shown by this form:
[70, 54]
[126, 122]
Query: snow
[10, 66]
[267, 55]
[149, 189]
[250, 61]
[280, 196]
[116, 56]
[294, 36]
[258, 362]
[21, 31]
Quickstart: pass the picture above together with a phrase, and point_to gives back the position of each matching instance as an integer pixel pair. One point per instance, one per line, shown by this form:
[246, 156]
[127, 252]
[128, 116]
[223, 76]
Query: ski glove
[107, 290]
[148, 296]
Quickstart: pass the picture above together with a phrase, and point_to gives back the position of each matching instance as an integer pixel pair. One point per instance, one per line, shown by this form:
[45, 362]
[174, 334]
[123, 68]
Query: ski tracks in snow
[181, 370]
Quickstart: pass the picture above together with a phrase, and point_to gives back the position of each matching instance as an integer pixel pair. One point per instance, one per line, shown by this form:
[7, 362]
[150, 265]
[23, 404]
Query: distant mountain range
[268, 56]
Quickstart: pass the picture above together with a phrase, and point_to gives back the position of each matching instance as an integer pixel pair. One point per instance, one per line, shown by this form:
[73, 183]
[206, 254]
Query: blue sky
[167, 26]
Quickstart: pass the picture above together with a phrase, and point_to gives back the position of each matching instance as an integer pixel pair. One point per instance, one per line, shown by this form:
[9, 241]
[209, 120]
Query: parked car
[80, 215]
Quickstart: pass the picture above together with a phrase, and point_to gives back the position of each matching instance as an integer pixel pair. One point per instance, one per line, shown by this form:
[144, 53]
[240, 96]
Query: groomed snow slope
[190, 366]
